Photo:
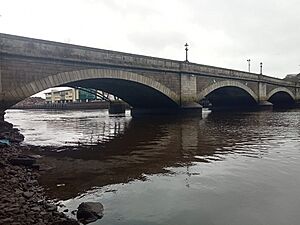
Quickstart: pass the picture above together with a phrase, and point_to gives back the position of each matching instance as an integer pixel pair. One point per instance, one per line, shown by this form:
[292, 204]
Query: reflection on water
[67, 127]
[228, 168]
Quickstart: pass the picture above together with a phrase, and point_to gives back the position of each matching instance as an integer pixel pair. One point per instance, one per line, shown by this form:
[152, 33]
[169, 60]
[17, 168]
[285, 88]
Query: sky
[220, 33]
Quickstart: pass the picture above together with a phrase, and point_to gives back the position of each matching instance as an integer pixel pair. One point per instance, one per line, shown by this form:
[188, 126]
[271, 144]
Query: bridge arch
[95, 78]
[281, 89]
[228, 95]
[229, 83]
[281, 96]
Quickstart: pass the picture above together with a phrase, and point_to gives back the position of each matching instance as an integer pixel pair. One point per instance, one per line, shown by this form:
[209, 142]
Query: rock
[5, 124]
[59, 204]
[66, 222]
[22, 160]
[43, 213]
[9, 133]
[50, 207]
[16, 223]
[4, 143]
[18, 191]
[36, 209]
[35, 166]
[7, 220]
[89, 212]
[28, 194]
[13, 180]
[5, 200]
[33, 183]
[2, 164]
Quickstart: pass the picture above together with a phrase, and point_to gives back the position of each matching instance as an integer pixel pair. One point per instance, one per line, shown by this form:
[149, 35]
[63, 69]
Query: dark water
[228, 168]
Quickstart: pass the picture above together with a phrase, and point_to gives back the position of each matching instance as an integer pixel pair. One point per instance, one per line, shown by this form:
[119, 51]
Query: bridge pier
[193, 109]
[116, 107]
[265, 105]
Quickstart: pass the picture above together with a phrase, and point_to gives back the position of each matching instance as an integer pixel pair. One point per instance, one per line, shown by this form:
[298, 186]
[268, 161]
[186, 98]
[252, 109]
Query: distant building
[293, 77]
[72, 95]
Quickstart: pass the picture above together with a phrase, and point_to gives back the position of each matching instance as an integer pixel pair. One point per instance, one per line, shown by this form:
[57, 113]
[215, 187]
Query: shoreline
[22, 199]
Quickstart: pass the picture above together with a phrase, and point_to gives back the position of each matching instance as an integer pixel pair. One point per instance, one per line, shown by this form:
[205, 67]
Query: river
[227, 168]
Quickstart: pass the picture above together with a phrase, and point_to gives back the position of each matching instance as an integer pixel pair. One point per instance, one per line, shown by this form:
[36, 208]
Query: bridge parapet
[217, 72]
[35, 48]
[29, 47]
[277, 81]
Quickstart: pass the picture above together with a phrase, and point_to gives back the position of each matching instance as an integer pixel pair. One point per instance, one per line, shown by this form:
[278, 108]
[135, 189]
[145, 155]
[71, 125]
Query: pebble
[28, 194]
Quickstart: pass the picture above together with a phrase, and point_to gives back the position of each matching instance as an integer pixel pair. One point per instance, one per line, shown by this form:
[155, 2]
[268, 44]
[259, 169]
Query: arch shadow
[133, 88]
[281, 97]
[228, 95]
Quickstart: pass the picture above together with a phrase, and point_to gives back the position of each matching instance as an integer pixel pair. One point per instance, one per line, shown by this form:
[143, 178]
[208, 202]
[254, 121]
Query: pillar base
[242, 108]
[265, 106]
[187, 110]
[117, 108]
[191, 109]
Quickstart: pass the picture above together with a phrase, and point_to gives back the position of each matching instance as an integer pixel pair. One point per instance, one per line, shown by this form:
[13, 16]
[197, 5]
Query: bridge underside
[282, 100]
[227, 98]
[143, 99]
[135, 94]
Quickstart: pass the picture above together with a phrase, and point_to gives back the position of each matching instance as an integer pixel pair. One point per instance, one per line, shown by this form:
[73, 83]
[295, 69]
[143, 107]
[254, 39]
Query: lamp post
[186, 52]
[248, 60]
[261, 65]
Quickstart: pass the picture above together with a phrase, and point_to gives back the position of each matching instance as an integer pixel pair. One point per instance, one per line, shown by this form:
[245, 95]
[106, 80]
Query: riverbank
[22, 198]
[65, 106]
[69, 106]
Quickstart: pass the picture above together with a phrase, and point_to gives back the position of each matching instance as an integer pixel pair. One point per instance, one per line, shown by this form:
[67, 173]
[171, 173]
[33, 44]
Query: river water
[227, 168]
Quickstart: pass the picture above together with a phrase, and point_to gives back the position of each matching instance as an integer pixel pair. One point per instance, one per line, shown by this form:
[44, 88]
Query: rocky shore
[22, 199]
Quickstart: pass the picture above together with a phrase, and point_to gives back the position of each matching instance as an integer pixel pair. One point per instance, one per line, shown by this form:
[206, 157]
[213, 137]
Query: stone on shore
[23, 160]
[89, 212]
[8, 132]
[28, 194]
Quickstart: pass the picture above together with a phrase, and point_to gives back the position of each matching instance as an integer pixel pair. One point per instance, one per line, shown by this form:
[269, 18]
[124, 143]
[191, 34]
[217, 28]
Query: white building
[75, 95]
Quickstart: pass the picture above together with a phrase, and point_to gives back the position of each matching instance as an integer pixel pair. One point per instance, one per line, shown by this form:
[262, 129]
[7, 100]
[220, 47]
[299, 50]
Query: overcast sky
[220, 33]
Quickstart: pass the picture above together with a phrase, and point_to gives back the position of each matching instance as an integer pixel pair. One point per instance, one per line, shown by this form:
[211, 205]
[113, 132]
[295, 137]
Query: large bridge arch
[136, 81]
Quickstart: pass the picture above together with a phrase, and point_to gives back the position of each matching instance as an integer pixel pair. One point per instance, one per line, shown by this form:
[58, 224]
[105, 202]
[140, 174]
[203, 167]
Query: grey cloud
[256, 25]
[156, 41]
[131, 7]
[267, 29]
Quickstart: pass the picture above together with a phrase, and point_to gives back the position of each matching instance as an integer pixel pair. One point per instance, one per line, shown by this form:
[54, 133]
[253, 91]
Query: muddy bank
[22, 198]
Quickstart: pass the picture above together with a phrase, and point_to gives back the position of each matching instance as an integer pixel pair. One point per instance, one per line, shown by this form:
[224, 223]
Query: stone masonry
[28, 66]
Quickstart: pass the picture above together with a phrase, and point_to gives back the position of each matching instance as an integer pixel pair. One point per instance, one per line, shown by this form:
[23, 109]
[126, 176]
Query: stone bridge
[148, 84]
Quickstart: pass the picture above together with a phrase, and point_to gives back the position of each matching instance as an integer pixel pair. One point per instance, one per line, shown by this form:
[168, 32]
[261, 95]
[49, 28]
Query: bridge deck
[12, 45]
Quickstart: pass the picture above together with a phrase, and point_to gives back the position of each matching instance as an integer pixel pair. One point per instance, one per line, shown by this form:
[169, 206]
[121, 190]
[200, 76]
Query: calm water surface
[227, 168]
